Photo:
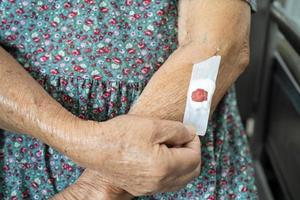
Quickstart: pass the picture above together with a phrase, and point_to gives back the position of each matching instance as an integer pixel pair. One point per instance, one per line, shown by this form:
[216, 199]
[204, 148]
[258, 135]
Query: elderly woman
[69, 68]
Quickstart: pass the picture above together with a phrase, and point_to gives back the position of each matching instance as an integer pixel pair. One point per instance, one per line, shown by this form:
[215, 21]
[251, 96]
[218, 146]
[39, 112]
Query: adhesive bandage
[200, 93]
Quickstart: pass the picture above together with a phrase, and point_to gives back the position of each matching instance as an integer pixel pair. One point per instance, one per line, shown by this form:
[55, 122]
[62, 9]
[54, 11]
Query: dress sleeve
[252, 4]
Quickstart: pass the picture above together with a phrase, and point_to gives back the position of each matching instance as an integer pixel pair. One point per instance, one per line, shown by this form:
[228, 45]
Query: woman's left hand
[91, 186]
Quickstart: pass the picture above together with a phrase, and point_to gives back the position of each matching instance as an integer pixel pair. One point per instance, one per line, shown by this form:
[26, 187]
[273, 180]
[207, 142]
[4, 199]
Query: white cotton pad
[200, 93]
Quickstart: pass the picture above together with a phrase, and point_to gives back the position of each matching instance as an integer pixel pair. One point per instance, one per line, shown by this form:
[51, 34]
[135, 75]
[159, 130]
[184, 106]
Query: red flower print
[54, 71]
[58, 57]
[40, 50]
[104, 9]
[73, 14]
[75, 52]
[103, 50]
[137, 16]
[89, 22]
[20, 11]
[113, 21]
[89, 1]
[5, 168]
[148, 32]
[14, 198]
[97, 77]
[34, 185]
[4, 21]
[46, 35]
[54, 24]
[126, 71]
[117, 60]
[147, 2]
[145, 70]
[44, 58]
[244, 189]
[160, 12]
[11, 37]
[128, 2]
[78, 69]
[141, 45]
[97, 31]
[131, 51]
[36, 39]
[139, 61]
[211, 198]
[199, 95]
[43, 7]
[67, 5]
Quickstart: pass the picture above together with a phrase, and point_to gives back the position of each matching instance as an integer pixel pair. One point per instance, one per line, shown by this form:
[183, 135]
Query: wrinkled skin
[206, 28]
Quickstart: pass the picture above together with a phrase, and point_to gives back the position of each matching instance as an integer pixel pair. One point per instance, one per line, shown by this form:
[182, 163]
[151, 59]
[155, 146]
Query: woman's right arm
[25, 107]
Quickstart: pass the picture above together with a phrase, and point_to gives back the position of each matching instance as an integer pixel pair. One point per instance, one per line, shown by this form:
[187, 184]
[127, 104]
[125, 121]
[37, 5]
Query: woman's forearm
[25, 107]
[200, 36]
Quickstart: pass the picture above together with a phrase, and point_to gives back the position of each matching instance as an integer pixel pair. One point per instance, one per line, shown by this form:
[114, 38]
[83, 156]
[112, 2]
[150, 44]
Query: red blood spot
[199, 95]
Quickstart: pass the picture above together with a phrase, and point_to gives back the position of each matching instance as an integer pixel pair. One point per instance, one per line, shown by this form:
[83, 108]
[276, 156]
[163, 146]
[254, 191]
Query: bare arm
[25, 107]
[204, 27]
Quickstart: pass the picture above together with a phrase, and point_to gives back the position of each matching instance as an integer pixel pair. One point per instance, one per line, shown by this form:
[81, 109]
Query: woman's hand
[140, 155]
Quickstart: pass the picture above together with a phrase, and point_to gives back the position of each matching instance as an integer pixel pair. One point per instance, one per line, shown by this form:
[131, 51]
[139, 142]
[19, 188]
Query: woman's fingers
[173, 133]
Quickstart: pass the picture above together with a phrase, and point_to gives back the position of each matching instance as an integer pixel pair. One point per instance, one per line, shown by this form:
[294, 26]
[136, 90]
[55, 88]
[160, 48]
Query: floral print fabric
[95, 57]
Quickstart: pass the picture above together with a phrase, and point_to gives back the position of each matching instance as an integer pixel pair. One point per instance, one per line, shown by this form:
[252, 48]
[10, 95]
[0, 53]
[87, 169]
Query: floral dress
[95, 57]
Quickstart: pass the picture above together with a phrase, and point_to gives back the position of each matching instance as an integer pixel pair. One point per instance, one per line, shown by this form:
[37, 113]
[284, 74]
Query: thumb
[173, 133]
